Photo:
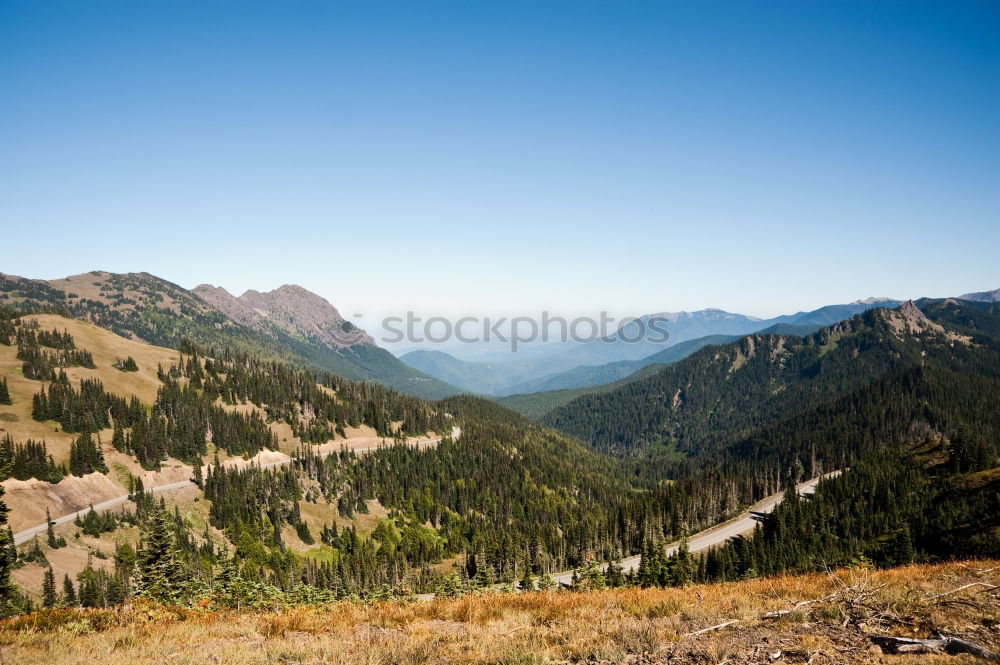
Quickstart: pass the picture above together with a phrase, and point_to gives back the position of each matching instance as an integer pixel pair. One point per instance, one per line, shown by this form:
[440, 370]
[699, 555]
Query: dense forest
[722, 397]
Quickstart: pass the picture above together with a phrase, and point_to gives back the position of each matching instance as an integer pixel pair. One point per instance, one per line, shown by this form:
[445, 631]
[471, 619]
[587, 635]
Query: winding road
[718, 534]
[26, 535]
[703, 540]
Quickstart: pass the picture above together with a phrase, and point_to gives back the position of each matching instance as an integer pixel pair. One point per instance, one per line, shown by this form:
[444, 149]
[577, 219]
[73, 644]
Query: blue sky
[504, 157]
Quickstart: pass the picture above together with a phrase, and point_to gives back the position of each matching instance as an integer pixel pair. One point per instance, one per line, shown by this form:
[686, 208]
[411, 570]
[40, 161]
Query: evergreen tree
[8, 592]
[69, 591]
[39, 407]
[902, 547]
[615, 574]
[158, 568]
[126, 365]
[52, 541]
[4, 392]
[49, 597]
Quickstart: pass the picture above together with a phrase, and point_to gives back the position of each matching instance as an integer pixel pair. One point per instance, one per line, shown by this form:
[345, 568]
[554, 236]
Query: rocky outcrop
[907, 318]
[298, 311]
[228, 304]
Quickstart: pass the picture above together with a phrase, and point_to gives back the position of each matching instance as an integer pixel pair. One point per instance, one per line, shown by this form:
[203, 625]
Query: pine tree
[52, 542]
[69, 591]
[159, 570]
[902, 551]
[49, 597]
[11, 547]
[4, 392]
[199, 478]
[126, 365]
[39, 407]
[8, 592]
[681, 565]
[118, 439]
[615, 574]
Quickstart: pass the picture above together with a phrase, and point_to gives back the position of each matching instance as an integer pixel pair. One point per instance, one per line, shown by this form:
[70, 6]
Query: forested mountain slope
[721, 396]
[596, 375]
[903, 404]
[142, 306]
[561, 389]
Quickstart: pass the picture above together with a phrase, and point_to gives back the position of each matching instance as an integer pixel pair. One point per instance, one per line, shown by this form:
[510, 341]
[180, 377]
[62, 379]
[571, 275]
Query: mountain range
[604, 360]
[289, 323]
[982, 296]
[680, 406]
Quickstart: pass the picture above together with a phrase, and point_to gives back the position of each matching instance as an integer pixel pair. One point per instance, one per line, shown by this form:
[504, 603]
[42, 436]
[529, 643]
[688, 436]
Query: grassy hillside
[106, 348]
[828, 617]
[145, 307]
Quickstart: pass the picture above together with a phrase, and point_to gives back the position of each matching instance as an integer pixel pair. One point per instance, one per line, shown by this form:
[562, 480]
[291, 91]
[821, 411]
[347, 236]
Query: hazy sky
[761, 157]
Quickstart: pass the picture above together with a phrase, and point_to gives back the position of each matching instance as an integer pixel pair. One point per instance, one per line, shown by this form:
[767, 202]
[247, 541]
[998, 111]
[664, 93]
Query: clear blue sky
[762, 157]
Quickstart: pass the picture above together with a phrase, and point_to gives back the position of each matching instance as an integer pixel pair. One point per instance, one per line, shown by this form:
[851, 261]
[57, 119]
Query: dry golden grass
[106, 347]
[626, 625]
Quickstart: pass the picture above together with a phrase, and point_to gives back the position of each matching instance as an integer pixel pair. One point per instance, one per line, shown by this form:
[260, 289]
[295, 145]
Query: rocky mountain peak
[982, 296]
[292, 308]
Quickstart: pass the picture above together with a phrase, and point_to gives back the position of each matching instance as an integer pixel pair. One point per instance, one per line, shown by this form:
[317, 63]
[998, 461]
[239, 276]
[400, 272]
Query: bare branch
[989, 587]
[712, 628]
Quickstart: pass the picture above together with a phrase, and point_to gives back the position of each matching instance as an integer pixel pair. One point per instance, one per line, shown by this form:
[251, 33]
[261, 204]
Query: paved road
[26, 535]
[719, 534]
[703, 540]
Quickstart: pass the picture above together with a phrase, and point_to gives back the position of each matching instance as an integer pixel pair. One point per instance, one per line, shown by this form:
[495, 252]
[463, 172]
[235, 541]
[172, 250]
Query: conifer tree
[11, 547]
[546, 583]
[8, 592]
[49, 597]
[39, 407]
[4, 392]
[158, 569]
[902, 547]
[69, 591]
[52, 542]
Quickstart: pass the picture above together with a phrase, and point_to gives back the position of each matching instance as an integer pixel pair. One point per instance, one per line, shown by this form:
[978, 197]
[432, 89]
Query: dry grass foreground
[618, 626]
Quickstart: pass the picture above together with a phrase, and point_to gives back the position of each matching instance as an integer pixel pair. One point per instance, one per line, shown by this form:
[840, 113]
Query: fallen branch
[711, 628]
[989, 587]
[981, 571]
[780, 613]
[940, 644]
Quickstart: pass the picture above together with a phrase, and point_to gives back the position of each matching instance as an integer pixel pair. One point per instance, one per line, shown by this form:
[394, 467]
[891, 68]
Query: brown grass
[626, 625]
[106, 347]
